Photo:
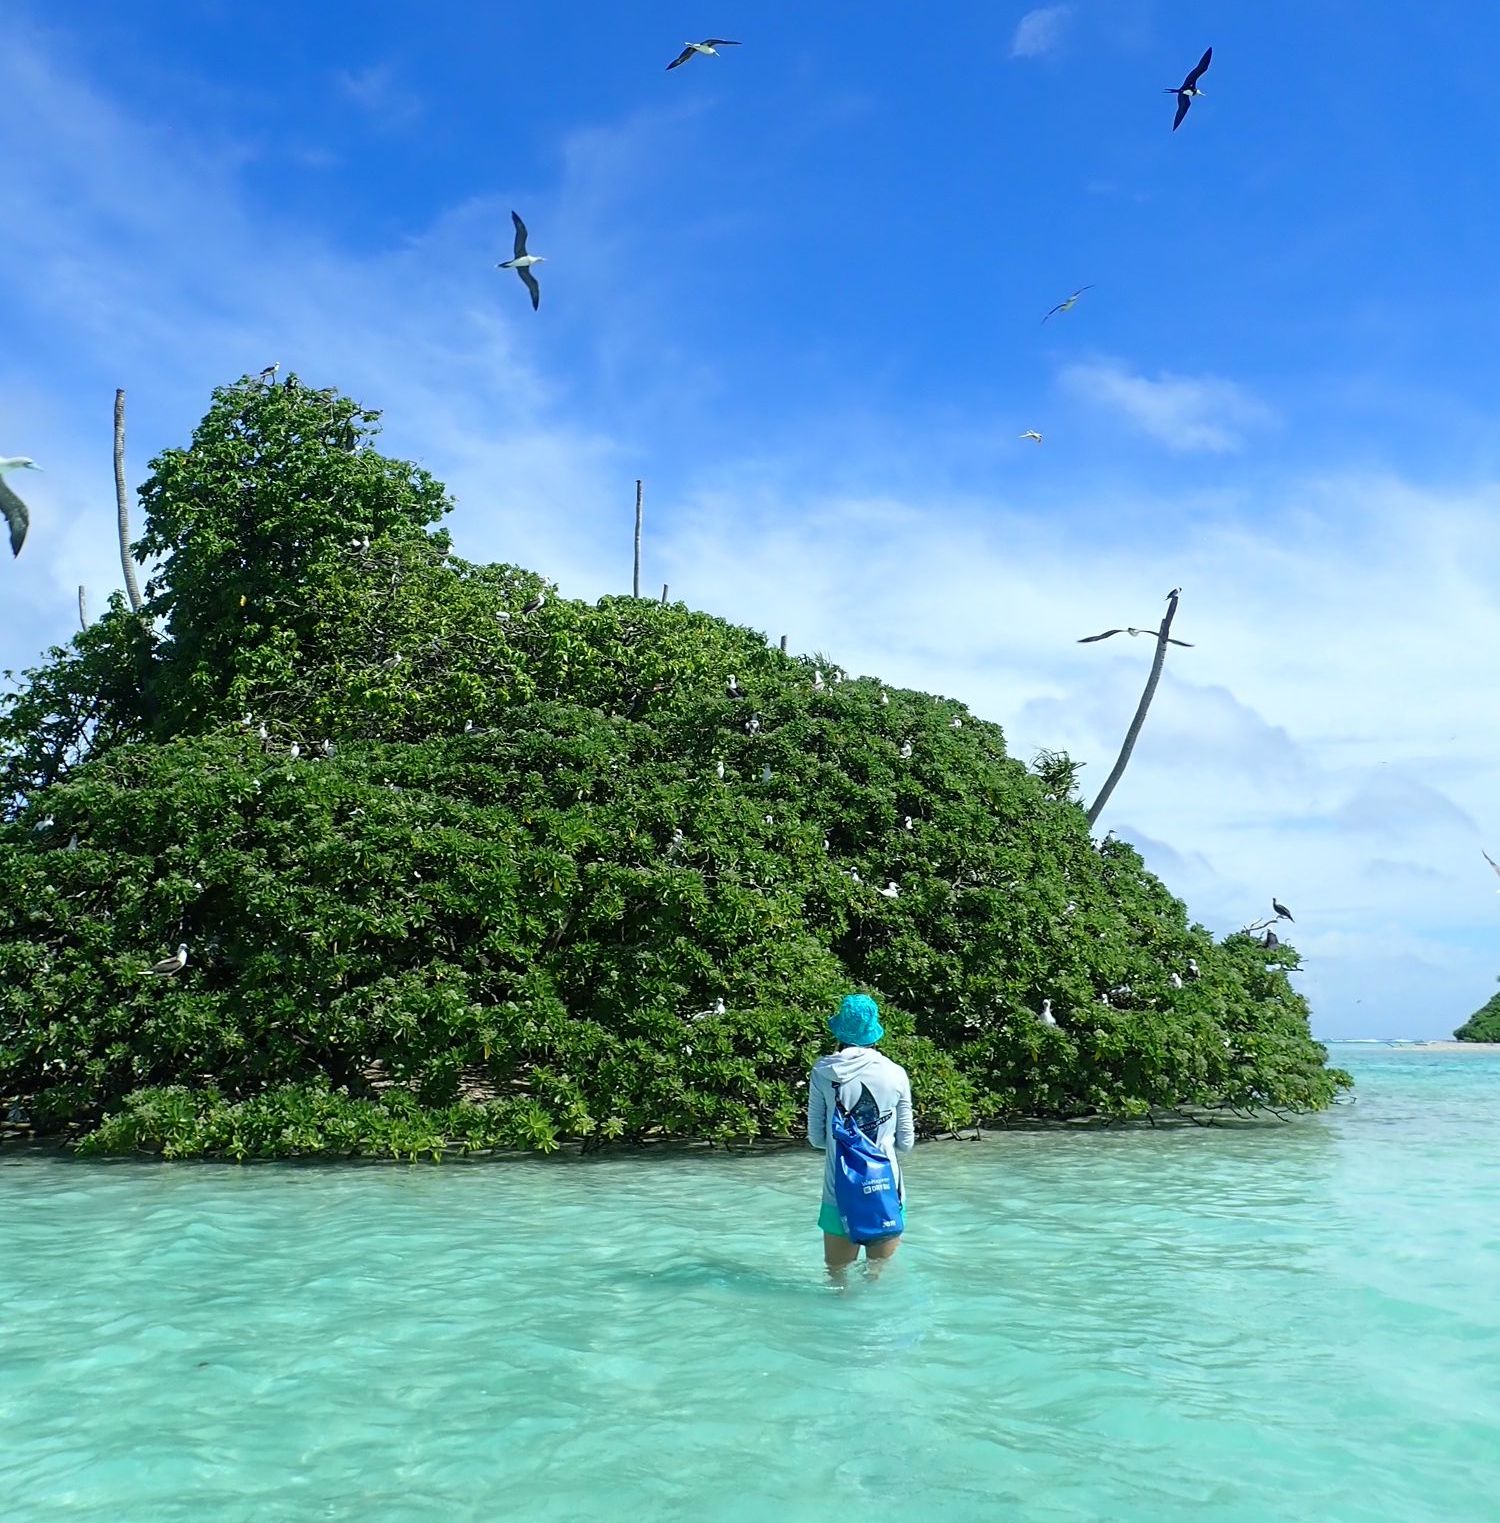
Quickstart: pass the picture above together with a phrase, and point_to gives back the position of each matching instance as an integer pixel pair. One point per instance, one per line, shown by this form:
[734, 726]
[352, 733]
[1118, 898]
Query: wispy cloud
[1274, 757]
[1040, 31]
[1185, 413]
[377, 90]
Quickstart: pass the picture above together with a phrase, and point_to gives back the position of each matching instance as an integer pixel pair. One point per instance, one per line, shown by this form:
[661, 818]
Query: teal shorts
[830, 1221]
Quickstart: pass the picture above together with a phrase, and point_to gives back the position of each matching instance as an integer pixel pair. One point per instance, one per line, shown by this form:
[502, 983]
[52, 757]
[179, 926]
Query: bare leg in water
[839, 1253]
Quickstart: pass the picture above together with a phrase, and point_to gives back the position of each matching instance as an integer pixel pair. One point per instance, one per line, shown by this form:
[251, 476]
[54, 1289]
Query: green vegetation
[457, 919]
[1483, 1025]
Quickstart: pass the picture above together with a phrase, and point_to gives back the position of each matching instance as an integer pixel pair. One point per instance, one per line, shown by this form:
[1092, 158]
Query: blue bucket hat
[858, 1022]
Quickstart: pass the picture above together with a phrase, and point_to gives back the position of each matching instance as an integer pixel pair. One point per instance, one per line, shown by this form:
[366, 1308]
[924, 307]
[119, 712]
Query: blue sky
[798, 290]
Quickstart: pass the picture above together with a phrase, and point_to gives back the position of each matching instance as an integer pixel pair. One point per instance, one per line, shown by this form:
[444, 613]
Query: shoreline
[1400, 1046]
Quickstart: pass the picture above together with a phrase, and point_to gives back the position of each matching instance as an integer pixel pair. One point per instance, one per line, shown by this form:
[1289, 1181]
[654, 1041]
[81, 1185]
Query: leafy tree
[423, 846]
[1483, 1025]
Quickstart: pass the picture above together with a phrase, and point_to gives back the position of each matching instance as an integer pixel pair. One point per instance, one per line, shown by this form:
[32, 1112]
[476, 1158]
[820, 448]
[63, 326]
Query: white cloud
[1040, 31]
[1185, 413]
[1322, 740]
[377, 91]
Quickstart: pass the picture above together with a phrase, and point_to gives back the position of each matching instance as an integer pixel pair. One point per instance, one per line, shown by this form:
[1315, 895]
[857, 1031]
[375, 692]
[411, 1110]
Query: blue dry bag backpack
[866, 1189]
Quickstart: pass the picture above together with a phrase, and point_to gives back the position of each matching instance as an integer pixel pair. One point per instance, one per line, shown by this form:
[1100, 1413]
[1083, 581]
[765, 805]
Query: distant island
[457, 864]
[1483, 1025]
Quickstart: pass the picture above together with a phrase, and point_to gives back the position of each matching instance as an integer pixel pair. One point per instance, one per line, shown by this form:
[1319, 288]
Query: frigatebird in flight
[1189, 88]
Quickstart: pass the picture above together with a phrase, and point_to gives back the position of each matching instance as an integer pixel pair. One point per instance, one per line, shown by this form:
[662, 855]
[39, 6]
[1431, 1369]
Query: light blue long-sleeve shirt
[861, 1071]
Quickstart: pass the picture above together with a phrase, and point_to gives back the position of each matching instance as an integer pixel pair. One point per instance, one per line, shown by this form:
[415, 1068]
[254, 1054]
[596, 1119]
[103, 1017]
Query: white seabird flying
[16, 513]
[169, 966]
[1188, 89]
[1032, 434]
[521, 262]
[709, 48]
[1171, 640]
[1068, 304]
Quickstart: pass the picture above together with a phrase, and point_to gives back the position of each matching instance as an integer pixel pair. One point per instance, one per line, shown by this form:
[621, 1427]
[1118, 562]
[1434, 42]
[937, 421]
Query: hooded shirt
[878, 1094]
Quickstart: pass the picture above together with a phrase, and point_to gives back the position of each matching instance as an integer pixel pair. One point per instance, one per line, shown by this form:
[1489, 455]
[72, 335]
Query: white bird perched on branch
[955, 723]
[168, 967]
[752, 725]
[735, 691]
[890, 891]
[1046, 1016]
[905, 750]
[677, 842]
[521, 262]
[719, 770]
[766, 774]
[885, 698]
[1175, 980]
[817, 680]
[708, 48]
[17, 515]
[294, 750]
[907, 822]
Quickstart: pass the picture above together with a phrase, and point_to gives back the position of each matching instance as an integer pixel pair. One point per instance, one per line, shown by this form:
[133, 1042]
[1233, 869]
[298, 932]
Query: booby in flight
[521, 262]
[1031, 434]
[16, 514]
[1171, 640]
[1069, 304]
[1186, 91]
[709, 48]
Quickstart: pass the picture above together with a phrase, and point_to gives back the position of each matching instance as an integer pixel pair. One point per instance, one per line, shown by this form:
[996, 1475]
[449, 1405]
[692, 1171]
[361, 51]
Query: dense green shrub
[458, 918]
[1483, 1025]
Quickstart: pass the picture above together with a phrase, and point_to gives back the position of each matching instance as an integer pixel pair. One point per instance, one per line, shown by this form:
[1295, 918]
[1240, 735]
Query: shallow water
[1289, 1323]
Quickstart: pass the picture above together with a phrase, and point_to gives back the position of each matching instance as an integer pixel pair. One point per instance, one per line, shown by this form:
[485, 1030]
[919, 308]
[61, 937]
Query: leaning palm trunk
[122, 504]
[1123, 760]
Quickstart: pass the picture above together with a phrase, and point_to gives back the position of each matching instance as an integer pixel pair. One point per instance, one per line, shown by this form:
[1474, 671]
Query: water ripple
[1297, 1323]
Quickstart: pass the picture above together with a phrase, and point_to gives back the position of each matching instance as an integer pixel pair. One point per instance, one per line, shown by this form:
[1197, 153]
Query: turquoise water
[1290, 1323]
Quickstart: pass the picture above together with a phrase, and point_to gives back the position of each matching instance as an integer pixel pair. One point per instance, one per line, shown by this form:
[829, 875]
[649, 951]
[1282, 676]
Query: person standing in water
[876, 1094]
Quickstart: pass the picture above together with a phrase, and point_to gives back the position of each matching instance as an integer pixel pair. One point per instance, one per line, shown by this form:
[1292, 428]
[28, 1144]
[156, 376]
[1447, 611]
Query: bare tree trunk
[122, 505]
[663, 594]
[1133, 733]
[783, 645]
[83, 608]
[635, 585]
